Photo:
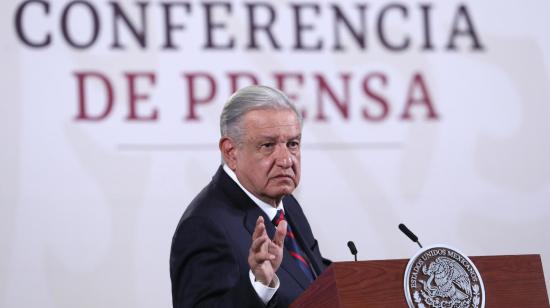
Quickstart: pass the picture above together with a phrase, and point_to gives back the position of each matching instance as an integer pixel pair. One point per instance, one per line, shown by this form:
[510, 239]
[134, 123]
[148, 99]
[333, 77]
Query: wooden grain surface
[510, 281]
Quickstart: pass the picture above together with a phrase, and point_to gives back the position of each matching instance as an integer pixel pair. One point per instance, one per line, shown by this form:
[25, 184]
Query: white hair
[248, 99]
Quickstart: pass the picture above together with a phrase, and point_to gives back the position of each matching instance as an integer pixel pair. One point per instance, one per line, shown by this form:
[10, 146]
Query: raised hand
[265, 255]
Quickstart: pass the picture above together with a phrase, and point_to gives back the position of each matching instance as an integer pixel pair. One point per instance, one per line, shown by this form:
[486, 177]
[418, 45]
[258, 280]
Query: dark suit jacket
[209, 256]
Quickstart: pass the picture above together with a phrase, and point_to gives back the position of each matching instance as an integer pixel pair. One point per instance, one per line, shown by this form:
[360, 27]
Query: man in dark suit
[244, 241]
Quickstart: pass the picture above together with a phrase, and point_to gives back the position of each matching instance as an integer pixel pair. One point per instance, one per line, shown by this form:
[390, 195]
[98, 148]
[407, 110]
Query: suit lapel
[252, 215]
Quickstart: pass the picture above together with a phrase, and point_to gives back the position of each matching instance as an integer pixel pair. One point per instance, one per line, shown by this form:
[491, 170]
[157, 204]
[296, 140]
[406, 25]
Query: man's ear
[228, 149]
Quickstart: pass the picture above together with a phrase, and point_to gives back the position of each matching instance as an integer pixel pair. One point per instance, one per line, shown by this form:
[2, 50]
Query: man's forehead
[271, 118]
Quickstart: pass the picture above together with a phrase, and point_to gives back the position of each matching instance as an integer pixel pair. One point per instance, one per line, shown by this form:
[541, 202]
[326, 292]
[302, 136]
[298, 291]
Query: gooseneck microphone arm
[352, 249]
[409, 234]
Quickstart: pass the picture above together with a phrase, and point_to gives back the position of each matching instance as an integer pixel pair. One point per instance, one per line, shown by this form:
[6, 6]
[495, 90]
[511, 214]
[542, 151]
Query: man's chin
[280, 192]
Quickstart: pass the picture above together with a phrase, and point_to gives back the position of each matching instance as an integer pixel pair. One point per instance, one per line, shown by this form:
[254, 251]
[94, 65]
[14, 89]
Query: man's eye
[268, 145]
[293, 144]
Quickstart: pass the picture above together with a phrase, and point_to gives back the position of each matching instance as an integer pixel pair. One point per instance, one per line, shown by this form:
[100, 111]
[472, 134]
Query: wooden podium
[510, 281]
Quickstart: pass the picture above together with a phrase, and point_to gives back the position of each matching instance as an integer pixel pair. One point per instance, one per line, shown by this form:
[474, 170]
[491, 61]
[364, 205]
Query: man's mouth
[283, 176]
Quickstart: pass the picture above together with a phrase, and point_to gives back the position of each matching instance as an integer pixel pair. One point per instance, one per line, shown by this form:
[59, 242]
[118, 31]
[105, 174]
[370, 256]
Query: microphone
[352, 249]
[409, 234]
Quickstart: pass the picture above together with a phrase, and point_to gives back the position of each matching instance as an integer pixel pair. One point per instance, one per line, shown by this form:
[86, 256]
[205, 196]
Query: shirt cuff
[264, 292]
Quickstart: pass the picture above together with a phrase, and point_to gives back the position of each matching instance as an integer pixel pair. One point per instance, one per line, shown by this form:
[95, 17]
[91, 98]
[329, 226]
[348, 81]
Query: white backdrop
[88, 208]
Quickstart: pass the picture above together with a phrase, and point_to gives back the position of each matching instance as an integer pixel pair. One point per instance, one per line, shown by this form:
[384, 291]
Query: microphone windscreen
[352, 248]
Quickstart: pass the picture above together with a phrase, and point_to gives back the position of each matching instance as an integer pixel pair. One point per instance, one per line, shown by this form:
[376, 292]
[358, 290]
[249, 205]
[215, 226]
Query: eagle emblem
[441, 277]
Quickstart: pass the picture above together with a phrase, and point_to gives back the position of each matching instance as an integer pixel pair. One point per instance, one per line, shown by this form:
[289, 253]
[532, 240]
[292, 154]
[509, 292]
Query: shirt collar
[268, 209]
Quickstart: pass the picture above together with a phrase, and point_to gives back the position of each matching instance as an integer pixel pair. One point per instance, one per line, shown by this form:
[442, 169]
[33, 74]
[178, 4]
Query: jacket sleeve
[204, 270]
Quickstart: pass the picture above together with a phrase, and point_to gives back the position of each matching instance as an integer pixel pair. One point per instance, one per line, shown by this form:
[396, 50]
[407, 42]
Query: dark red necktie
[292, 246]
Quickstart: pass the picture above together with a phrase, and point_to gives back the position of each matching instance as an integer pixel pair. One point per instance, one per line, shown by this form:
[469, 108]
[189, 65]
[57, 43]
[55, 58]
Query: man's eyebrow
[267, 137]
[297, 137]
[272, 137]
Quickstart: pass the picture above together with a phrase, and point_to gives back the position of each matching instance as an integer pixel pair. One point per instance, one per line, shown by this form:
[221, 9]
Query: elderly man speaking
[244, 240]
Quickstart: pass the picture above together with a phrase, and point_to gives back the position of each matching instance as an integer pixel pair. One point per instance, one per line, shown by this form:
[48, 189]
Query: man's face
[267, 160]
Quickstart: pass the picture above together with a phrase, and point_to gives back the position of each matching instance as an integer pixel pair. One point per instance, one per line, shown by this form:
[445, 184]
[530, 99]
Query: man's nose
[283, 157]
